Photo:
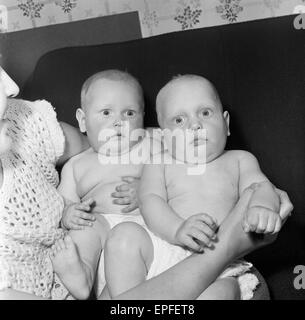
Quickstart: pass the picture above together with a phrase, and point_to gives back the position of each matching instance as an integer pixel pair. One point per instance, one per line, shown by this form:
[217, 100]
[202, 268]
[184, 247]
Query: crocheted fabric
[30, 206]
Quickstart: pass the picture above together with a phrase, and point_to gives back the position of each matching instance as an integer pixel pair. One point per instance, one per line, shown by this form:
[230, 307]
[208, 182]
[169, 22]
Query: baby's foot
[69, 267]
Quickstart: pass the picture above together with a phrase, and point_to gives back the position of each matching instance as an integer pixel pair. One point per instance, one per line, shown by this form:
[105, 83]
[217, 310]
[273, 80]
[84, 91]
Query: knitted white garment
[30, 206]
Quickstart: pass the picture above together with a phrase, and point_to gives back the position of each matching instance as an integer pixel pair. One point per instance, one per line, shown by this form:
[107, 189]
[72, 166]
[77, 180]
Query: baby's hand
[126, 194]
[262, 220]
[75, 216]
[197, 232]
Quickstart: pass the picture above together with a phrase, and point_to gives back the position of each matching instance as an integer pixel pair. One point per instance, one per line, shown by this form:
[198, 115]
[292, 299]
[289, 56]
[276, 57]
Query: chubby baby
[185, 197]
[111, 113]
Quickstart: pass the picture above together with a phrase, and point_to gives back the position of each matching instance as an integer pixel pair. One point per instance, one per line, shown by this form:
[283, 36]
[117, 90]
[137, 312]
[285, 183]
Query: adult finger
[286, 205]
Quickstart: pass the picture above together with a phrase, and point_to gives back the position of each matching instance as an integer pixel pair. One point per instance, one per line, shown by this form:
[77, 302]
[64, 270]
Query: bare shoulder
[77, 160]
[240, 155]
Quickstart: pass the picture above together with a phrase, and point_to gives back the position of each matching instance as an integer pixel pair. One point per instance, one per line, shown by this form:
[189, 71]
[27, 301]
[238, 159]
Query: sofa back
[258, 69]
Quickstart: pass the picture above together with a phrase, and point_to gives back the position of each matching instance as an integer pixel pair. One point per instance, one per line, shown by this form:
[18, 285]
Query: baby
[183, 210]
[112, 107]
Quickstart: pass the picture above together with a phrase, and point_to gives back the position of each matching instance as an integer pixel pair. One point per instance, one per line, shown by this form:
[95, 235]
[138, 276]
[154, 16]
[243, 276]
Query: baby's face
[8, 88]
[191, 105]
[113, 110]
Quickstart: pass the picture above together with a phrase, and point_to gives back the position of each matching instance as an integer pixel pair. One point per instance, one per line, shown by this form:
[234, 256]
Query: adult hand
[286, 206]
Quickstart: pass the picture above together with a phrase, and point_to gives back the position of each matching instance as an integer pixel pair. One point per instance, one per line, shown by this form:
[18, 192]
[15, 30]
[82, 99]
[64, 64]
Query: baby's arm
[192, 233]
[75, 142]
[263, 214]
[75, 214]
[158, 215]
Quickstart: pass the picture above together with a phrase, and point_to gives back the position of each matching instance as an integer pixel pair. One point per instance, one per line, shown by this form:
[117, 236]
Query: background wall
[156, 16]
[21, 50]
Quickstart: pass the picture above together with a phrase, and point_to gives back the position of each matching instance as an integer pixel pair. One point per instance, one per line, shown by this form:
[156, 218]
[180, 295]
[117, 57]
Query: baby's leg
[75, 258]
[128, 256]
[222, 289]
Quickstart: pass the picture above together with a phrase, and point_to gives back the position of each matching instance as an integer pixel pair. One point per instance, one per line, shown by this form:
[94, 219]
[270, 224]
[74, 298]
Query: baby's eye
[179, 120]
[206, 113]
[105, 113]
[130, 113]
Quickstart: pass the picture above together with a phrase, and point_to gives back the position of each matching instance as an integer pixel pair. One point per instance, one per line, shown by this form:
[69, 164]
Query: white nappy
[113, 220]
[167, 255]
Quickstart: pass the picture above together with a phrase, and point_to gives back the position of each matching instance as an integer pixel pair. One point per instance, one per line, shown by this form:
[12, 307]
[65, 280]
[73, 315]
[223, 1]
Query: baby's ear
[81, 118]
[226, 116]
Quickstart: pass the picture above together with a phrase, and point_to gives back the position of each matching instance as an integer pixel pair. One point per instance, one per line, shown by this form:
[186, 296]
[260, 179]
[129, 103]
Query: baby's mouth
[199, 141]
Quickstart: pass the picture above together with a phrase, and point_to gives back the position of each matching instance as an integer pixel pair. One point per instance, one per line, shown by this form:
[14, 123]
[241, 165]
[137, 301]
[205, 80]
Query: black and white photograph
[152, 150]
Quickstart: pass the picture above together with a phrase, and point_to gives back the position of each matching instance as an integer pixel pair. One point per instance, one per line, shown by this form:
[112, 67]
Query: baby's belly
[186, 206]
[103, 199]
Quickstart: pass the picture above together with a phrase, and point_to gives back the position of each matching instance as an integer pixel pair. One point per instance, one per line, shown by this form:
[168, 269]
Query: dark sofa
[259, 69]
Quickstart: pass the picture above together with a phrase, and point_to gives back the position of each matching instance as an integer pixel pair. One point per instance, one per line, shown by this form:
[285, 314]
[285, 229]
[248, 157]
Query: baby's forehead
[191, 84]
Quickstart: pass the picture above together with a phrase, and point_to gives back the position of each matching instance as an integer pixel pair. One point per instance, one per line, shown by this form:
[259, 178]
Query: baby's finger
[271, 224]
[120, 194]
[251, 221]
[207, 219]
[86, 216]
[122, 201]
[262, 223]
[207, 230]
[82, 222]
[192, 244]
[82, 207]
[200, 236]
[88, 202]
[122, 187]
[129, 179]
[74, 226]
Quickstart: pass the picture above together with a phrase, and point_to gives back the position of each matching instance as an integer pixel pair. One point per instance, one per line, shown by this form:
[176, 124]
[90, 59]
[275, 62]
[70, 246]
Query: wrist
[176, 227]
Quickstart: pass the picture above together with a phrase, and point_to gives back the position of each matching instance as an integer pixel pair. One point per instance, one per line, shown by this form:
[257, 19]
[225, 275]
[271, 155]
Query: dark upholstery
[258, 68]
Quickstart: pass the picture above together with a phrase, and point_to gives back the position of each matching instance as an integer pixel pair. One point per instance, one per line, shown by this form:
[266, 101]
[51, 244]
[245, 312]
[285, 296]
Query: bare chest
[215, 191]
[93, 174]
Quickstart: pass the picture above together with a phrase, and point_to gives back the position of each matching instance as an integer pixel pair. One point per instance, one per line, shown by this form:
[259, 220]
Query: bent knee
[125, 237]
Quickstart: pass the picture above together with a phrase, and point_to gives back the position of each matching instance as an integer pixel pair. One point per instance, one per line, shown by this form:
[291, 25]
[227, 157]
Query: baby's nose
[10, 87]
[118, 123]
[196, 126]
